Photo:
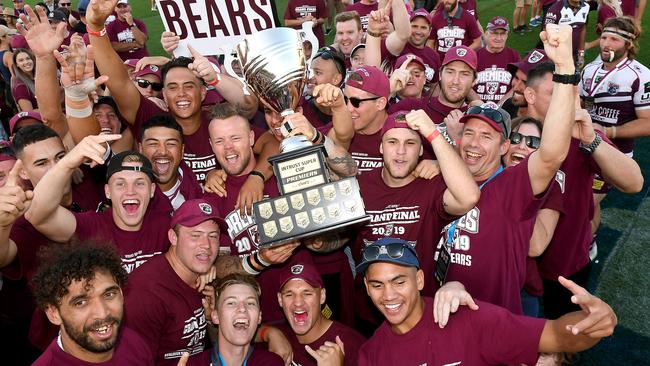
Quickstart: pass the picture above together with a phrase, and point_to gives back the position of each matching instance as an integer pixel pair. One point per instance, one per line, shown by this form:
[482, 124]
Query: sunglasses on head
[327, 53]
[392, 250]
[144, 84]
[531, 141]
[490, 113]
[356, 101]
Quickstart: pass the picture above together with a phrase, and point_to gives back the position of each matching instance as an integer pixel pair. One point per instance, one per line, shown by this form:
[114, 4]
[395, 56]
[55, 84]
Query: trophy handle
[227, 63]
[307, 34]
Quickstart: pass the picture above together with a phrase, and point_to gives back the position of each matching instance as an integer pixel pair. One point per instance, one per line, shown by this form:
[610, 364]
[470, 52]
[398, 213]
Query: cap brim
[483, 118]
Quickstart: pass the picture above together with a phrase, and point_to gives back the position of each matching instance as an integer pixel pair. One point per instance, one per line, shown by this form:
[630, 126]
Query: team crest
[205, 208]
[449, 42]
[490, 105]
[389, 230]
[612, 88]
[492, 87]
[535, 57]
[153, 68]
[254, 234]
[461, 52]
[429, 72]
[297, 269]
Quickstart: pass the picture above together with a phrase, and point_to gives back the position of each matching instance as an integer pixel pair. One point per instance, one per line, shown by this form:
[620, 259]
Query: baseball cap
[123, 2]
[389, 250]
[196, 211]
[19, 41]
[21, 116]
[4, 30]
[116, 164]
[421, 13]
[57, 16]
[490, 113]
[301, 271]
[132, 62]
[415, 58]
[395, 120]
[461, 53]
[148, 70]
[498, 22]
[532, 59]
[371, 80]
[356, 48]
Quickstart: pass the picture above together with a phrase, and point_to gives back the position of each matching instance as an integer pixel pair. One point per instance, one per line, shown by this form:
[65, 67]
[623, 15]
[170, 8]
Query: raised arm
[330, 96]
[45, 213]
[462, 193]
[14, 201]
[108, 63]
[559, 121]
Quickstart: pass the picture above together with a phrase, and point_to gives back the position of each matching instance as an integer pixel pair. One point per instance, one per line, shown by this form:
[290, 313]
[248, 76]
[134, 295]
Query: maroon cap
[415, 58]
[19, 41]
[491, 114]
[194, 212]
[395, 120]
[421, 13]
[461, 53]
[305, 272]
[148, 70]
[498, 23]
[131, 62]
[532, 59]
[371, 80]
[21, 116]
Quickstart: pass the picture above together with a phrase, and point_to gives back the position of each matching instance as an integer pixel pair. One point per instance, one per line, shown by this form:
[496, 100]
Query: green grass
[621, 276]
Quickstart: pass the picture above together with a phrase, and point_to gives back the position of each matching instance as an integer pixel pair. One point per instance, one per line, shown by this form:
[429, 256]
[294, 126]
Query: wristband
[432, 136]
[374, 34]
[590, 148]
[246, 265]
[78, 112]
[318, 137]
[216, 81]
[258, 174]
[100, 33]
[263, 330]
[613, 132]
[261, 261]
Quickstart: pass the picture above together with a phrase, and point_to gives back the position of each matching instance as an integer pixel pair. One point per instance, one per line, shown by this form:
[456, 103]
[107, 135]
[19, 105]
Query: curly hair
[61, 264]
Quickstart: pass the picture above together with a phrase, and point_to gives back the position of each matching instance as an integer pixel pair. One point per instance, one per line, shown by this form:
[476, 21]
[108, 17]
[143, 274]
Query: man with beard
[424, 207]
[515, 105]
[80, 289]
[163, 300]
[457, 76]
[410, 36]
[237, 313]
[493, 80]
[162, 143]
[184, 87]
[453, 27]
[301, 296]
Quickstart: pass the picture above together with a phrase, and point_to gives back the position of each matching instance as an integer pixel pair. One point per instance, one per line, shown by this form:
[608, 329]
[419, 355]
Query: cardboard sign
[214, 26]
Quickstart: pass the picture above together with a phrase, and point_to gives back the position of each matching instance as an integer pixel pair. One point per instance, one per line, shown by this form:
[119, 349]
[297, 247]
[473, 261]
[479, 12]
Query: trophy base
[329, 230]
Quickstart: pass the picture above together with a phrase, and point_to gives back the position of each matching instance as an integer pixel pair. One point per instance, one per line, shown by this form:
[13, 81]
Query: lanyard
[452, 227]
[223, 362]
[609, 73]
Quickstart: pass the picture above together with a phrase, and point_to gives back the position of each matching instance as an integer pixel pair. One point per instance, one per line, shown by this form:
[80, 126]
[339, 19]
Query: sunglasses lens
[395, 250]
[354, 101]
[156, 86]
[515, 138]
[533, 142]
[371, 253]
[143, 83]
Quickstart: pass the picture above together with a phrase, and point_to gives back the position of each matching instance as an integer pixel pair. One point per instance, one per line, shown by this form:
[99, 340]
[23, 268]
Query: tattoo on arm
[331, 242]
[343, 165]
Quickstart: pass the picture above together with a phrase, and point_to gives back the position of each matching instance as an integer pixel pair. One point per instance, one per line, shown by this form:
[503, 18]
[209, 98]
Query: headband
[627, 36]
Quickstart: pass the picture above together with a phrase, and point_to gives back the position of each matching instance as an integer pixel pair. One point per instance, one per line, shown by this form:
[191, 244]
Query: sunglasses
[356, 101]
[327, 53]
[65, 4]
[392, 250]
[492, 114]
[531, 141]
[144, 84]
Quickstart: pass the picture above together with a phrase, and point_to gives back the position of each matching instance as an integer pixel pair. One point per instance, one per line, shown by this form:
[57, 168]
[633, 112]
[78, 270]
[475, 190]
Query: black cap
[57, 16]
[117, 164]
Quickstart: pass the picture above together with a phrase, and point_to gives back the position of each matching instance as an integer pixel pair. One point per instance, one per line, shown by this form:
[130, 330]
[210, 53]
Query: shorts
[521, 3]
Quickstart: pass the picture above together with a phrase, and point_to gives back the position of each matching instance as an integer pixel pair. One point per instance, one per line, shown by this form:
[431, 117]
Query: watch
[572, 79]
[590, 148]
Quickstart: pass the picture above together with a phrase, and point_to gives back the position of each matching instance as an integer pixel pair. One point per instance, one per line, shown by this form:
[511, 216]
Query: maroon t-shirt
[430, 57]
[134, 247]
[167, 313]
[558, 14]
[364, 149]
[491, 241]
[198, 153]
[414, 212]
[130, 350]
[364, 11]
[629, 7]
[568, 251]
[449, 32]
[488, 336]
[313, 114]
[604, 12]
[493, 79]
[119, 31]
[297, 9]
[188, 188]
[431, 105]
[20, 91]
[352, 341]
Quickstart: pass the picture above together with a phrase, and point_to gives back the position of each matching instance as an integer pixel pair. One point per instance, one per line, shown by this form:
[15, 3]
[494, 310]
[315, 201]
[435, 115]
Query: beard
[450, 7]
[83, 339]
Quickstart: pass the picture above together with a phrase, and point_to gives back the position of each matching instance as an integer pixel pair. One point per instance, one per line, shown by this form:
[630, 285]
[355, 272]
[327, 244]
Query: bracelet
[216, 81]
[590, 148]
[258, 174]
[246, 264]
[374, 34]
[318, 137]
[263, 330]
[432, 136]
[261, 261]
[613, 132]
[100, 33]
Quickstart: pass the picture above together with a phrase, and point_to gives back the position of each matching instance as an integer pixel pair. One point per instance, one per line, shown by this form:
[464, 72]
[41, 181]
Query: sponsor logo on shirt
[134, 260]
[449, 37]
[193, 333]
[305, 10]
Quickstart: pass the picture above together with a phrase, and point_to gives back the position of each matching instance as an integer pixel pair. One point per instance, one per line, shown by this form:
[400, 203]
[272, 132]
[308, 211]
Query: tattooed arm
[339, 160]
[326, 243]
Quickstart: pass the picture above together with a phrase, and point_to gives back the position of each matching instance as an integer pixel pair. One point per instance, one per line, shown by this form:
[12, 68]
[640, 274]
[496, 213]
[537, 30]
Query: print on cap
[153, 68]
[535, 57]
[206, 208]
[297, 269]
[461, 52]
[490, 105]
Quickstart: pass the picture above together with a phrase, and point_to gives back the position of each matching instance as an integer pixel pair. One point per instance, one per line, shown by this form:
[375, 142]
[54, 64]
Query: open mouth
[300, 316]
[162, 165]
[241, 324]
[392, 308]
[183, 104]
[472, 157]
[104, 332]
[131, 206]
[516, 158]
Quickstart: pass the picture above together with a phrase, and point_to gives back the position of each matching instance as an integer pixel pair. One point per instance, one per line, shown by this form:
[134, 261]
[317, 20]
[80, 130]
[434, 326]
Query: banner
[214, 26]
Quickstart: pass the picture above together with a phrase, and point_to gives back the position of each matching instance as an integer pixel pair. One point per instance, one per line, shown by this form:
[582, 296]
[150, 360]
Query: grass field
[621, 276]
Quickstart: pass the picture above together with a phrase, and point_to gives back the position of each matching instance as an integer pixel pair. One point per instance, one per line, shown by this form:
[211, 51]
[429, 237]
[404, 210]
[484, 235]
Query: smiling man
[80, 289]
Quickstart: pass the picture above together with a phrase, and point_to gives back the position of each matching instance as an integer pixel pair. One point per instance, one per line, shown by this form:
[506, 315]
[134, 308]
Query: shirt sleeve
[641, 96]
[21, 91]
[141, 26]
[472, 27]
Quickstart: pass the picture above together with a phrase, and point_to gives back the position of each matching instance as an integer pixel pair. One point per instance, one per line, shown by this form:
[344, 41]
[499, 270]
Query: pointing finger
[13, 178]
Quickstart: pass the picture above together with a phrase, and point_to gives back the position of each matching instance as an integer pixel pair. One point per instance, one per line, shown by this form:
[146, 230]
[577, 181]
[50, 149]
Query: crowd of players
[481, 171]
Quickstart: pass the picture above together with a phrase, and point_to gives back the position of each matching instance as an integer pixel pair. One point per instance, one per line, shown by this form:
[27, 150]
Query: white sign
[214, 26]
